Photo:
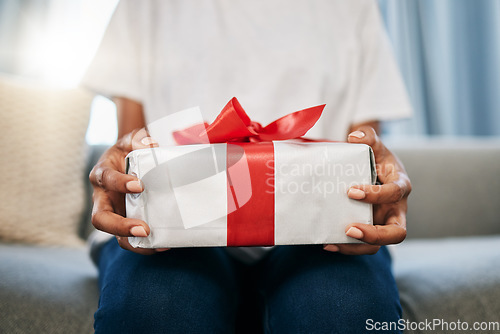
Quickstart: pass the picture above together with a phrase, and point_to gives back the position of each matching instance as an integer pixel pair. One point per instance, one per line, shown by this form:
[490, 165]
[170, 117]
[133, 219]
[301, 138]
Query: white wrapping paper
[185, 198]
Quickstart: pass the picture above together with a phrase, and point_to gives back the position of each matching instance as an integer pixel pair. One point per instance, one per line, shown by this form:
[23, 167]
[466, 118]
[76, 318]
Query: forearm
[130, 115]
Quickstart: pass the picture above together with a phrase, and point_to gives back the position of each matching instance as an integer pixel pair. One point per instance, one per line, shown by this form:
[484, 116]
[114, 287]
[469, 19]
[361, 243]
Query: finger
[331, 248]
[367, 135]
[380, 194]
[110, 222]
[135, 140]
[108, 178]
[103, 200]
[358, 249]
[141, 139]
[377, 234]
[125, 244]
[396, 217]
[389, 167]
[352, 249]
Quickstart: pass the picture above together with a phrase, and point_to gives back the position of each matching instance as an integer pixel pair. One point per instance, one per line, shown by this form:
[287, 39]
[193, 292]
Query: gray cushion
[450, 279]
[46, 290]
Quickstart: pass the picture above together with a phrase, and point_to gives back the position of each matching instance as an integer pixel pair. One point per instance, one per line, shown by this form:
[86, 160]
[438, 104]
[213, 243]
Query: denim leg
[191, 290]
[309, 290]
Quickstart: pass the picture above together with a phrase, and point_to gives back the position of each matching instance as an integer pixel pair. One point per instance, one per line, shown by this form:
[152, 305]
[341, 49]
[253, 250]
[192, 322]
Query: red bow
[234, 125]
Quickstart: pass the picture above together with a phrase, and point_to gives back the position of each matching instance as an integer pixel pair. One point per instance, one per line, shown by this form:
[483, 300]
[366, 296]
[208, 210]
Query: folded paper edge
[138, 201]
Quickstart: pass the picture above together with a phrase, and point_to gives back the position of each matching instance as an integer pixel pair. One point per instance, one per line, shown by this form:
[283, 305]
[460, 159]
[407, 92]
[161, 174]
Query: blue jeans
[294, 289]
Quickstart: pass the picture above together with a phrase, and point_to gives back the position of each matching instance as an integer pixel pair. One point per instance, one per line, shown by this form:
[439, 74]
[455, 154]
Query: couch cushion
[46, 290]
[42, 162]
[450, 279]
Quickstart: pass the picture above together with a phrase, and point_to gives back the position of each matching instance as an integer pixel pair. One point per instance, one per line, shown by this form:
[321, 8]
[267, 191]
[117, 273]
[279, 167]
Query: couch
[448, 268]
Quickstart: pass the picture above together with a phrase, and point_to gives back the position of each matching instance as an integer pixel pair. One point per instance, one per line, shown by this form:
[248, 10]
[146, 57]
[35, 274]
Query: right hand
[110, 185]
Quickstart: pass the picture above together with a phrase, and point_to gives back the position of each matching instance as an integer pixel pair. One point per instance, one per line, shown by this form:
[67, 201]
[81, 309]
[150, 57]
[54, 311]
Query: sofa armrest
[456, 186]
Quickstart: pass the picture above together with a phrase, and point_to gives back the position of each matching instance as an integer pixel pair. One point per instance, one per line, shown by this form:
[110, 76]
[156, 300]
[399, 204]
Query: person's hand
[110, 186]
[389, 199]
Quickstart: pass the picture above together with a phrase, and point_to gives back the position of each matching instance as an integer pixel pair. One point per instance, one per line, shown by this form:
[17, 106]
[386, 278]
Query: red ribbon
[250, 223]
[234, 125]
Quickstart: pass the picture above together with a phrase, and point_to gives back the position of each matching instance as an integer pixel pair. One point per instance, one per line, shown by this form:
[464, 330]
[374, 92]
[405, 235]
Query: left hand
[389, 199]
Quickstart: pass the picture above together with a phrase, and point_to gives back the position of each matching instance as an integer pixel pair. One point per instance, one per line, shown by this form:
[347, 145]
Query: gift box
[249, 191]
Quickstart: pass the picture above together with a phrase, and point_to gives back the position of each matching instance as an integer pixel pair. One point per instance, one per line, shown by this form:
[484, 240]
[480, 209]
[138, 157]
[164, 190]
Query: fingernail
[331, 248]
[355, 233]
[356, 193]
[134, 186]
[148, 141]
[357, 134]
[162, 249]
[138, 231]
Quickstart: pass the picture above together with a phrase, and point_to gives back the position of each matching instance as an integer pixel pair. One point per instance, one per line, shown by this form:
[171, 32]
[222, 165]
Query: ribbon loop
[234, 125]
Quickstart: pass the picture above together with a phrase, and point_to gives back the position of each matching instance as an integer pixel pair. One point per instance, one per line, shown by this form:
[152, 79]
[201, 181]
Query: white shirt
[275, 56]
